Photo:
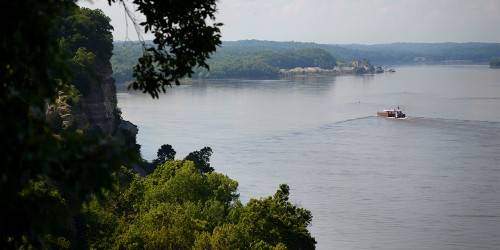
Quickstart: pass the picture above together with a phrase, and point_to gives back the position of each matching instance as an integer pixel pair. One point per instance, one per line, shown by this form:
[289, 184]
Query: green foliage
[165, 153]
[177, 207]
[201, 159]
[89, 29]
[275, 220]
[169, 207]
[101, 216]
[85, 38]
[241, 67]
[83, 68]
[125, 55]
[46, 174]
[308, 57]
[224, 237]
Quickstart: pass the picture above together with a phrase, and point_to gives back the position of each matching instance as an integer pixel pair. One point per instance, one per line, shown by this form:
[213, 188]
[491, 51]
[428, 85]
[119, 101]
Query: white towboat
[393, 113]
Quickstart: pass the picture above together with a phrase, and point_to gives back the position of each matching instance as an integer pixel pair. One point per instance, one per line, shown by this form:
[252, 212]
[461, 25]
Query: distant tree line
[264, 59]
[232, 63]
[387, 54]
[124, 58]
[264, 64]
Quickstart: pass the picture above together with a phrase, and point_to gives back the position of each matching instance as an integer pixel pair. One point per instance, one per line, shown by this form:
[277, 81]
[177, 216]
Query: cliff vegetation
[71, 174]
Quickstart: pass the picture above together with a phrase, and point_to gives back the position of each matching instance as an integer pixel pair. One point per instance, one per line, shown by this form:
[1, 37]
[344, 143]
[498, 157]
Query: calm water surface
[428, 182]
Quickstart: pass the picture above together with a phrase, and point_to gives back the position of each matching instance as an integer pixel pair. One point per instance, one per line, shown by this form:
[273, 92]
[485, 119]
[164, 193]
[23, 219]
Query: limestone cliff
[101, 103]
[97, 111]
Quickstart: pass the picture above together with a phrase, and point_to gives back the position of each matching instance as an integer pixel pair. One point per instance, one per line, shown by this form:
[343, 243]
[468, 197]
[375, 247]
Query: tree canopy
[178, 207]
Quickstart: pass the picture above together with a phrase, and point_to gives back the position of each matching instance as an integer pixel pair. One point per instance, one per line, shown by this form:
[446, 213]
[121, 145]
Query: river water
[431, 181]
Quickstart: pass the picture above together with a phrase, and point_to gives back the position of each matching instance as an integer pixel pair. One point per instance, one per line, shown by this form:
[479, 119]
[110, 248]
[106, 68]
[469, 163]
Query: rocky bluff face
[94, 112]
[101, 102]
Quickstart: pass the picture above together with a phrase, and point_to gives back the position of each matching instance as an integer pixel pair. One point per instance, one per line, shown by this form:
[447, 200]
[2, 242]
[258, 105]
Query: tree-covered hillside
[388, 54]
[430, 53]
[234, 62]
[264, 59]
[124, 59]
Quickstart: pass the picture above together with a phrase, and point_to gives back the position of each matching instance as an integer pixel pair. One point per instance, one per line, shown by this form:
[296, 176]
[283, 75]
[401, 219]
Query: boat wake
[329, 125]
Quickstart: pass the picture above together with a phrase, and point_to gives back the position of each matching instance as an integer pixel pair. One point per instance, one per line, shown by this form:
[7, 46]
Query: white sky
[343, 21]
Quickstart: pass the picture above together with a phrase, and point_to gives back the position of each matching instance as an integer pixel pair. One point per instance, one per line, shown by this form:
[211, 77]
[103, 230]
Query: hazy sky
[344, 21]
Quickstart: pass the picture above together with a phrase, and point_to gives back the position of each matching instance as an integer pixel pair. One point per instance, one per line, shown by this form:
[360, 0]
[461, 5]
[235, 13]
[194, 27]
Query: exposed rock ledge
[130, 127]
[101, 102]
[96, 110]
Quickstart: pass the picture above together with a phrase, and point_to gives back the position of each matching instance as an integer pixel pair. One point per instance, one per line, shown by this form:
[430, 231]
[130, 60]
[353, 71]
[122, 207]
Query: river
[431, 181]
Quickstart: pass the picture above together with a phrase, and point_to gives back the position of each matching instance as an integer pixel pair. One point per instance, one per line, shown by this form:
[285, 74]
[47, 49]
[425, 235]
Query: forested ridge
[387, 54]
[233, 62]
[265, 59]
[228, 63]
